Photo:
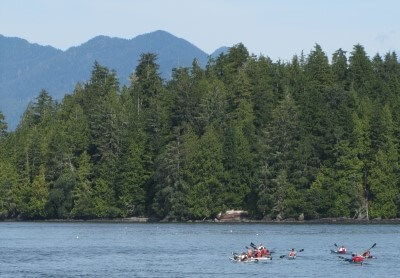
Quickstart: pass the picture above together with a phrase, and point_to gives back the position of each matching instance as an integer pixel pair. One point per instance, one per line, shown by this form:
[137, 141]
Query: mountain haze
[26, 68]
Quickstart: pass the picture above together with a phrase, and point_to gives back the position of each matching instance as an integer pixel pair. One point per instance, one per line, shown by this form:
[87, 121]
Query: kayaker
[249, 253]
[265, 252]
[342, 250]
[243, 257]
[367, 254]
[261, 250]
[292, 253]
[357, 258]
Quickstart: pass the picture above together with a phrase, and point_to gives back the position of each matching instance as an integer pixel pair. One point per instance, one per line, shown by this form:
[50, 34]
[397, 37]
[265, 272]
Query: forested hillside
[280, 140]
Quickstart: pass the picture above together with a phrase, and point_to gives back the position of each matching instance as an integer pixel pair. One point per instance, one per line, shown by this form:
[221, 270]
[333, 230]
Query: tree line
[308, 138]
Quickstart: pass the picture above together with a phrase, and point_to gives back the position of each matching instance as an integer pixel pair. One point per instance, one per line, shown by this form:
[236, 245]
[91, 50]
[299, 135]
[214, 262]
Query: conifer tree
[170, 201]
[204, 174]
[383, 177]
[3, 126]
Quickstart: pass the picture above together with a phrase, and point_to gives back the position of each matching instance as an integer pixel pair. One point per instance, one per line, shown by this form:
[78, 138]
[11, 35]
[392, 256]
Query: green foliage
[33, 197]
[8, 190]
[131, 181]
[83, 192]
[170, 200]
[204, 174]
[3, 126]
[278, 139]
[384, 173]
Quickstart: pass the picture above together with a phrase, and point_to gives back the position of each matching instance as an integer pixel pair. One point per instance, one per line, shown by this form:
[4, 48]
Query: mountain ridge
[26, 68]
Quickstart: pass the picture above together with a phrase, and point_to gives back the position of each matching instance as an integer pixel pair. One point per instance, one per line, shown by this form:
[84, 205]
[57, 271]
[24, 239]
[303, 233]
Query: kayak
[252, 260]
[291, 257]
[351, 261]
[263, 259]
[337, 252]
[370, 257]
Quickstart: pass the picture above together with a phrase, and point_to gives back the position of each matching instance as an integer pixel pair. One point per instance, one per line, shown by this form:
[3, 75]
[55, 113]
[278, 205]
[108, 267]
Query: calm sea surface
[190, 250]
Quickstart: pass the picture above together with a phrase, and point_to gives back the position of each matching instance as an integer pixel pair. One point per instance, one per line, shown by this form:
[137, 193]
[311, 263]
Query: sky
[278, 29]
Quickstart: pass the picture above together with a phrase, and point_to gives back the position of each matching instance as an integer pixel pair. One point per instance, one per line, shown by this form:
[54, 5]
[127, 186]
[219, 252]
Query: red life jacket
[357, 259]
[292, 254]
[264, 252]
[342, 251]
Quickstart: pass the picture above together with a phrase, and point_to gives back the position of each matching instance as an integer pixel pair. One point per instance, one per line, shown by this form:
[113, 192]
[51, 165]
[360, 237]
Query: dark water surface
[190, 250]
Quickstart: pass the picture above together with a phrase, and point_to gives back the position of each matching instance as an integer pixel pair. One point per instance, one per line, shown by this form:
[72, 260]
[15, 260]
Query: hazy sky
[277, 29]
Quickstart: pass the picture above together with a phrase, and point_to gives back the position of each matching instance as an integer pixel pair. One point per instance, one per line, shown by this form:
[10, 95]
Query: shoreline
[145, 220]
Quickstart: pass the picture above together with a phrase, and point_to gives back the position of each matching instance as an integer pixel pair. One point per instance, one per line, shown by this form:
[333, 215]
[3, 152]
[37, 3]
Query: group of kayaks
[356, 258]
[260, 253]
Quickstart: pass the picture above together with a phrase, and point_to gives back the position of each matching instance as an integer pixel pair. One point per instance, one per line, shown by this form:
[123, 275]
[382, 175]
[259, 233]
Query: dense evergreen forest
[281, 140]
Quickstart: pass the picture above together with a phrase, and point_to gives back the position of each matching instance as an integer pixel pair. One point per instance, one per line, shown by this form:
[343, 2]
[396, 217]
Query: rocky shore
[340, 220]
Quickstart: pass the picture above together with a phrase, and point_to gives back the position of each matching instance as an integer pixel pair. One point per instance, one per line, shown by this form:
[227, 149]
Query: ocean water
[42, 249]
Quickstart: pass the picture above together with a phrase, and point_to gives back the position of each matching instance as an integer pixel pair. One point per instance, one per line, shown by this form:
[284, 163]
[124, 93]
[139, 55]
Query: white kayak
[253, 260]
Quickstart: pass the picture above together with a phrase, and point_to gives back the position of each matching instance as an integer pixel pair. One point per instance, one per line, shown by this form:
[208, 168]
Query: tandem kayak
[354, 260]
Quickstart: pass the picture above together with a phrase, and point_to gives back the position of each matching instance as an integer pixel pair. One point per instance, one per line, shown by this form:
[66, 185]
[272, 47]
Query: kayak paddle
[343, 258]
[371, 247]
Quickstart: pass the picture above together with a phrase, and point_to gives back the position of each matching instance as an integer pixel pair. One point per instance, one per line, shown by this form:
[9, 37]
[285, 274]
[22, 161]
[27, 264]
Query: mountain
[26, 68]
[219, 51]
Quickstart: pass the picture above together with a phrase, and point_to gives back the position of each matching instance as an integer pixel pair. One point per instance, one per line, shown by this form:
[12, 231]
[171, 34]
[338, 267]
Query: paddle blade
[282, 256]
[301, 250]
[373, 246]
[335, 244]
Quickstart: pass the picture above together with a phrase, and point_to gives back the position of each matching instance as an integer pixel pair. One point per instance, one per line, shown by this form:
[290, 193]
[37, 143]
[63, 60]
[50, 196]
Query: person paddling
[367, 253]
[342, 250]
[292, 254]
[356, 258]
[263, 250]
[243, 257]
[249, 253]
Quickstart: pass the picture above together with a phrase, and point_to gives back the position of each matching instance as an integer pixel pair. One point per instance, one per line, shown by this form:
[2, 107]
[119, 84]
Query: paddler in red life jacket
[357, 258]
[292, 253]
[264, 251]
[342, 250]
[257, 252]
[249, 253]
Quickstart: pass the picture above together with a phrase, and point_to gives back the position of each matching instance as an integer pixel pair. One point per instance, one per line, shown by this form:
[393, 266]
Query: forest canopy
[310, 138]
